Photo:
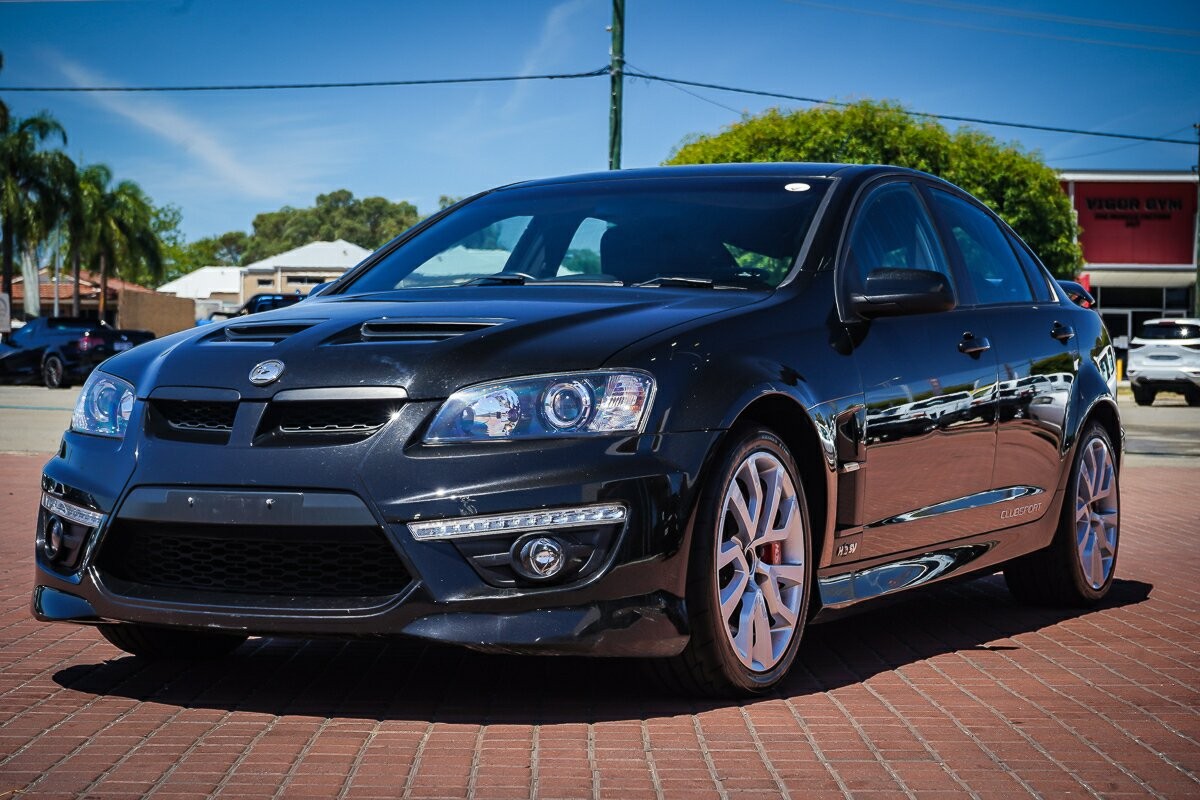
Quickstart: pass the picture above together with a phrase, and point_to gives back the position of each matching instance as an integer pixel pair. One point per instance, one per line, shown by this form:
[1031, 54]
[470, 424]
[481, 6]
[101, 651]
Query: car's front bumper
[629, 603]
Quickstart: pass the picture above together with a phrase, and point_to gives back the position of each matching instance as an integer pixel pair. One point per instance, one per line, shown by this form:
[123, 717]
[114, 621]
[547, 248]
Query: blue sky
[223, 157]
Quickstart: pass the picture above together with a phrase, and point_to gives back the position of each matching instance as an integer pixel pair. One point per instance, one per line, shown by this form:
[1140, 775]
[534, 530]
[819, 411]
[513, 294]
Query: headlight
[104, 406]
[576, 404]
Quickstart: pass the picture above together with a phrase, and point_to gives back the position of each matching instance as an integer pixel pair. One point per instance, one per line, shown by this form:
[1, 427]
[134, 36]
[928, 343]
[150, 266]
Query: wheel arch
[791, 422]
[1104, 411]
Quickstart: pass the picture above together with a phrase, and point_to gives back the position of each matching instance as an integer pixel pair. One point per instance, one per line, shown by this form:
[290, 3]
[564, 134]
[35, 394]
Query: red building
[1139, 244]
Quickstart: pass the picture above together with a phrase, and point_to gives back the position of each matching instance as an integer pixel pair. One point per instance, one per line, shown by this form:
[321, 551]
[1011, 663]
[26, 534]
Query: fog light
[52, 538]
[542, 557]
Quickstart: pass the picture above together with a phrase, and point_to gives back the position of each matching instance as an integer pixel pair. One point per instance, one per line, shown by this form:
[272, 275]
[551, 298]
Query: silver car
[1165, 357]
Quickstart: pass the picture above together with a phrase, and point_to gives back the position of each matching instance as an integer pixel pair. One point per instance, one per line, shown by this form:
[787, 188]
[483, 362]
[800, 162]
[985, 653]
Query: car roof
[761, 169]
[1173, 321]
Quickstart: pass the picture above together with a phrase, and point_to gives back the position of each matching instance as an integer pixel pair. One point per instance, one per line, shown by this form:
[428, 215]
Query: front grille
[296, 561]
[200, 420]
[319, 420]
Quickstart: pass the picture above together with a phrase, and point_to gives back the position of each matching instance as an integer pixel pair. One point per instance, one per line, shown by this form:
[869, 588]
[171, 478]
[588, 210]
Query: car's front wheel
[750, 572]
[1077, 568]
[54, 373]
[169, 643]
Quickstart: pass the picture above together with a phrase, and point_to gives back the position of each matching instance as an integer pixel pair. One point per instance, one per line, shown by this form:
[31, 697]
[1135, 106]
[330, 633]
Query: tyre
[749, 573]
[1077, 568]
[1143, 396]
[54, 373]
[1192, 396]
[169, 643]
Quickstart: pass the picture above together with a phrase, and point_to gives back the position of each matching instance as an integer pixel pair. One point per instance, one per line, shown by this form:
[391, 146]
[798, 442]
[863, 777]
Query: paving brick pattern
[958, 692]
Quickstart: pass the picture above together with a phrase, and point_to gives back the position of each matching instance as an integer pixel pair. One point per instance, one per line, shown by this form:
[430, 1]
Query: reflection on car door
[928, 381]
[1036, 348]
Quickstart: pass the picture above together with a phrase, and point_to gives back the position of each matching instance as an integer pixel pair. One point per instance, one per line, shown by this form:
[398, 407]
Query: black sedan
[673, 413]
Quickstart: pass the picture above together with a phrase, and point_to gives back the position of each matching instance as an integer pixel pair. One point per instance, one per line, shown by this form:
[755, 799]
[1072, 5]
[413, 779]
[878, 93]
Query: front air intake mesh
[289, 561]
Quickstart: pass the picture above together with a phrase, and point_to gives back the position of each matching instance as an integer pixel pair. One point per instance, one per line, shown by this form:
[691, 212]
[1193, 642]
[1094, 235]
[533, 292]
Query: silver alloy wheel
[1097, 513]
[760, 561]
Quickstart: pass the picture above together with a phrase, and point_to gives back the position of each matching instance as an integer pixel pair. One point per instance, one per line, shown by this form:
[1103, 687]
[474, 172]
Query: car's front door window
[892, 231]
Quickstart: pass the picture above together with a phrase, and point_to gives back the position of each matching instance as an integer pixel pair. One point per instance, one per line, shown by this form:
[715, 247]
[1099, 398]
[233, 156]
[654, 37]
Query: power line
[1118, 148]
[976, 120]
[1056, 18]
[246, 87]
[596, 73]
[990, 29]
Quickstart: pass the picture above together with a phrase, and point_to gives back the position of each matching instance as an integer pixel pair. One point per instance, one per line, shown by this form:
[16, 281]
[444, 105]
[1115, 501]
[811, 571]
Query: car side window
[892, 231]
[482, 252]
[583, 253]
[991, 265]
[1034, 271]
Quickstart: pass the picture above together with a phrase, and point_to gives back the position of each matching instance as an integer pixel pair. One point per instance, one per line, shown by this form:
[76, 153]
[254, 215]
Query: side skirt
[843, 587]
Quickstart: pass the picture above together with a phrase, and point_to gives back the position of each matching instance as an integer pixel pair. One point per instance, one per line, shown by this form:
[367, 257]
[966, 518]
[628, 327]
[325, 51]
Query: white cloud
[553, 42]
[271, 159]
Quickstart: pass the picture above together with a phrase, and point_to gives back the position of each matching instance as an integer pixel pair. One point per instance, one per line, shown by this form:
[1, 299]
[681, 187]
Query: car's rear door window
[991, 266]
[1034, 271]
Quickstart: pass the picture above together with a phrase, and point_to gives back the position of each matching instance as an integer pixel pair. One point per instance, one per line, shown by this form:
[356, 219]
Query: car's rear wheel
[54, 373]
[1192, 396]
[750, 572]
[1077, 568]
[1143, 396]
[170, 643]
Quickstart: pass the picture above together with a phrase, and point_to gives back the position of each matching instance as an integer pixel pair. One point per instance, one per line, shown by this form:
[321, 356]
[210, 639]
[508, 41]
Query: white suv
[1165, 357]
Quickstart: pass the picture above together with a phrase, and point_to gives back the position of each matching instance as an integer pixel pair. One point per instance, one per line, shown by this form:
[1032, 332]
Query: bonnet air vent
[264, 331]
[426, 330]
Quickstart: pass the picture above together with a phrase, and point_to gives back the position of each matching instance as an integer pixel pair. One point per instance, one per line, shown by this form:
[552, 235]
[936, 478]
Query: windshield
[742, 232]
[1170, 330]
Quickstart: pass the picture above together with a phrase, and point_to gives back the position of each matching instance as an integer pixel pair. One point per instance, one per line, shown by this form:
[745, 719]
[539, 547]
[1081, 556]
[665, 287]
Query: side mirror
[1077, 294]
[897, 292]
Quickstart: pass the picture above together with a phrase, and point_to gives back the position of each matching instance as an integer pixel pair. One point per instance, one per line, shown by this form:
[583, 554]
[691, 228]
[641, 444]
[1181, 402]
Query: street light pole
[617, 75]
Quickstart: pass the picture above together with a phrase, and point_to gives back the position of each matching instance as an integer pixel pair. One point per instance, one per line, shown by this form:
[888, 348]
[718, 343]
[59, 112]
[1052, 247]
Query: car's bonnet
[430, 342]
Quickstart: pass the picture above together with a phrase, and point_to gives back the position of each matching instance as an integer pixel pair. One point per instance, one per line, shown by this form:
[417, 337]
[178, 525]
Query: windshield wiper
[678, 280]
[510, 278]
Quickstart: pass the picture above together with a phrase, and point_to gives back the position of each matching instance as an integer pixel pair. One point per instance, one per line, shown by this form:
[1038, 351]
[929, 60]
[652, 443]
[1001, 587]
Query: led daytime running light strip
[71, 512]
[518, 522]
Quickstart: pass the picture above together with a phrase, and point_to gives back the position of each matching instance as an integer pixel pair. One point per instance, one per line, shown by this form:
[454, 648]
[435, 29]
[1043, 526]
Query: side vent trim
[421, 330]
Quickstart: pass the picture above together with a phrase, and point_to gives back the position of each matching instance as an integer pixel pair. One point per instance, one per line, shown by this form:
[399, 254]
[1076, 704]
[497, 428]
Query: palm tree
[119, 230]
[27, 180]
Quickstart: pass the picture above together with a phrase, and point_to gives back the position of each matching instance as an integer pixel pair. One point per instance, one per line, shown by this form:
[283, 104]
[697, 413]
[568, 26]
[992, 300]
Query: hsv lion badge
[266, 372]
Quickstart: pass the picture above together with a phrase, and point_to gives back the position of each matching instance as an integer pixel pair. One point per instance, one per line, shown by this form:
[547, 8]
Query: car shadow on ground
[403, 680]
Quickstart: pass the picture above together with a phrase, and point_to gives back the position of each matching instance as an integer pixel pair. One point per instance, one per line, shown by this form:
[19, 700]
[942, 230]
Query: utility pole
[617, 75]
[1196, 223]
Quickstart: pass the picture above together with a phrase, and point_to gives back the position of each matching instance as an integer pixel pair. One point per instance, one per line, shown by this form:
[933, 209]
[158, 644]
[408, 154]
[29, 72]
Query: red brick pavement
[956, 692]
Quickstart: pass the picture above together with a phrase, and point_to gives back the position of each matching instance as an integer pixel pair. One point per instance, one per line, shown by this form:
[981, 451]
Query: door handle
[970, 345]
[1064, 333]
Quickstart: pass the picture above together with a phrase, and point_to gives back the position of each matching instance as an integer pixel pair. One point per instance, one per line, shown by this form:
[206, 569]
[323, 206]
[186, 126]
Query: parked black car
[259, 303]
[623, 414]
[62, 351]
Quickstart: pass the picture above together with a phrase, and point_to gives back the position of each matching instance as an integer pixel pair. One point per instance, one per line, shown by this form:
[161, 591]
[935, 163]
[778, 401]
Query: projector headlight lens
[104, 406]
[576, 404]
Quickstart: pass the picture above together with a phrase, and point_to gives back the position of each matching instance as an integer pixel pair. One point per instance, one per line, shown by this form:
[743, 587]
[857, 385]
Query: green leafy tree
[368, 222]
[1016, 184]
[29, 182]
